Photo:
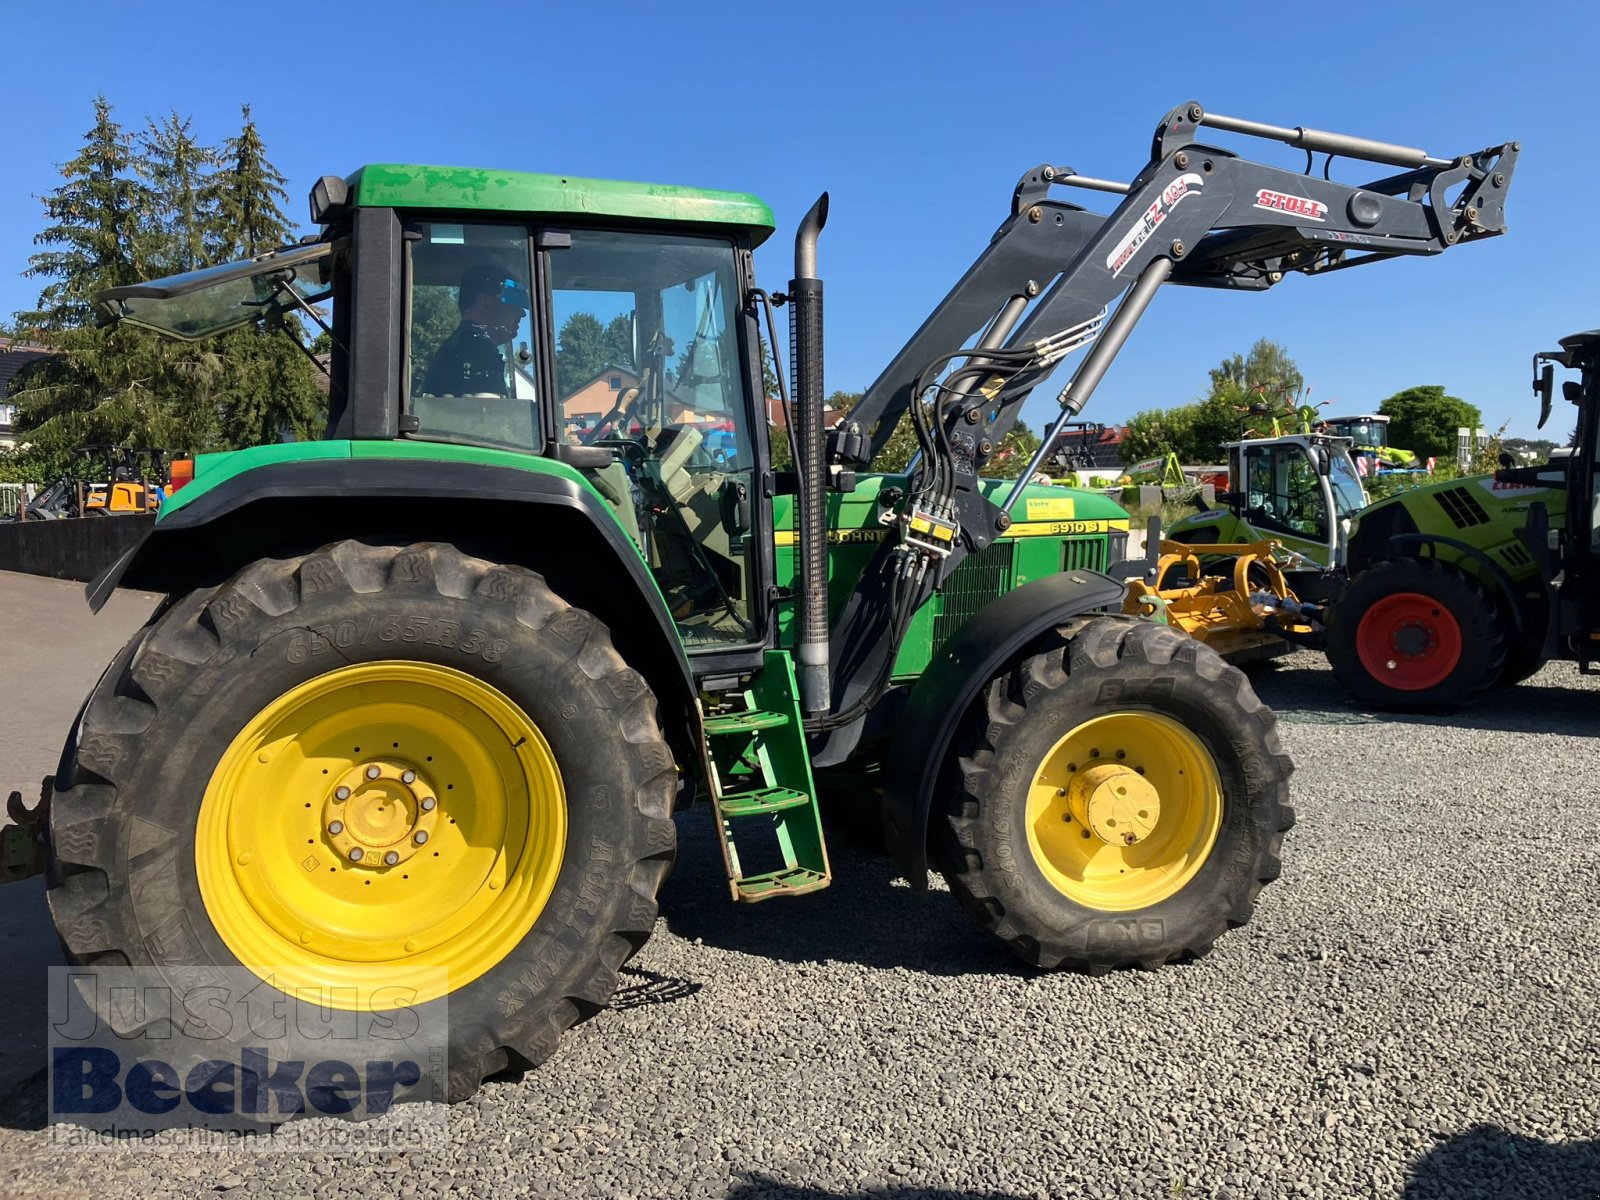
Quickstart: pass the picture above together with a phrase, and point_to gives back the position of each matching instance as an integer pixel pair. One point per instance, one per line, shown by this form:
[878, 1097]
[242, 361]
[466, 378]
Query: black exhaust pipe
[806, 443]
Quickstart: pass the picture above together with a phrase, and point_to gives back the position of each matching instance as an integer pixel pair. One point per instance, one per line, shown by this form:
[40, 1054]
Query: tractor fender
[548, 522]
[1408, 545]
[960, 670]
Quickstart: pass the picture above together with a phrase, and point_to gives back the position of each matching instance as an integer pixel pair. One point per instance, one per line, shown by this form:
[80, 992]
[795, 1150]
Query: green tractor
[424, 696]
[1465, 584]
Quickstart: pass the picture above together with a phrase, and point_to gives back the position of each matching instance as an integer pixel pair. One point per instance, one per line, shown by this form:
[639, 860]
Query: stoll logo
[171, 1058]
[1299, 206]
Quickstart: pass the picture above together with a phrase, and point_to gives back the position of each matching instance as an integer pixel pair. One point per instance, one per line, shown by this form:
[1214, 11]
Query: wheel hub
[1114, 802]
[379, 814]
[1413, 639]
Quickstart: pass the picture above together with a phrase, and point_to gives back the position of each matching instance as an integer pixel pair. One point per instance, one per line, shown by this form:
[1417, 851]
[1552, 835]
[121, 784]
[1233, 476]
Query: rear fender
[546, 521]
[939, 701]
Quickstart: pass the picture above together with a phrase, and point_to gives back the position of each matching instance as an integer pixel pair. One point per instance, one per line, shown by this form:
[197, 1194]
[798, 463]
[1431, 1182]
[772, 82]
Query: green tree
[94, 218]
[1424, 420]
[616, 342]
[1159, 431]
[109, 226]
[247, 191]
[1267, 369]
[180, 211]
[580, 352]
[1013, 454]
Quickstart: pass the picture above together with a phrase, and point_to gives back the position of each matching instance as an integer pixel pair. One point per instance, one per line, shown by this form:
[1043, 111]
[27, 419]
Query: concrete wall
[77, 548]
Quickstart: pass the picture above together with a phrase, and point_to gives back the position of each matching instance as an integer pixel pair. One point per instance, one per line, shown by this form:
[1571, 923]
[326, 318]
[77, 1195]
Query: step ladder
[761, 785]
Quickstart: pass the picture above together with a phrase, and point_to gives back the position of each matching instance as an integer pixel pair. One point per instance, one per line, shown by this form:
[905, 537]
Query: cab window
[1282, 492]
[648, 365]
[470, 370]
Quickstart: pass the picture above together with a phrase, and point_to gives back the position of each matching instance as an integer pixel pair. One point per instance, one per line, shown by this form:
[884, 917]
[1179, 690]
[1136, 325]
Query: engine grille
[971, 587]
[1462, 507]
[1085, 554]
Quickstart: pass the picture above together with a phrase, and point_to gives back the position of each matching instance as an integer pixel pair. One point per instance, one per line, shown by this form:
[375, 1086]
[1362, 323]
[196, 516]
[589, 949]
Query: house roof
[14, 357]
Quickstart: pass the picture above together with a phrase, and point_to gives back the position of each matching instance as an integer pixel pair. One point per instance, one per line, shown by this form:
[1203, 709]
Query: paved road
[1412, 1013]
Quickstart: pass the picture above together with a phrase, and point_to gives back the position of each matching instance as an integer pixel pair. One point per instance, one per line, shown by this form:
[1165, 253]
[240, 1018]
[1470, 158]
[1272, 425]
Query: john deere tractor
[426, 694]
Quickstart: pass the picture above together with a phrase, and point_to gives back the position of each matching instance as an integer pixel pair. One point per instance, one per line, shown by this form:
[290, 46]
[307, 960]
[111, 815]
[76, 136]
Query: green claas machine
[1300, 490]
[1466, 584]
[424, 696]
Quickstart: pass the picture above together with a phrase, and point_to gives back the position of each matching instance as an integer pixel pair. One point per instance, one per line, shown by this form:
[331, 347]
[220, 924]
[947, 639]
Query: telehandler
[426, 694]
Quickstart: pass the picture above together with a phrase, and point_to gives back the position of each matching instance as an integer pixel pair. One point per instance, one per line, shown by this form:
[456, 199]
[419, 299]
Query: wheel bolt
[357, 854]
[336, 827]
[428, 803]
[421, 837]
[408, 777]
[373, 772]
[341, 793]
[391, 858]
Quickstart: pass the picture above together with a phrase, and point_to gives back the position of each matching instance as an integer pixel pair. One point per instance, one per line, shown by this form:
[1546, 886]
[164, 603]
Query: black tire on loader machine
[1414, 634]
[1119, 799]
[432, 658]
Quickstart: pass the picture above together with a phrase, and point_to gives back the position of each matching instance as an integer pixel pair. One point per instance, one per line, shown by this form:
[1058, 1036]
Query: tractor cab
[609, 333]
[1301, 490]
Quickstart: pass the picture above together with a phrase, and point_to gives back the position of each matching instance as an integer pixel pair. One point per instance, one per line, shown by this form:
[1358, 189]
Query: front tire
[1120, 798]
[398, 757]
[1413, 634]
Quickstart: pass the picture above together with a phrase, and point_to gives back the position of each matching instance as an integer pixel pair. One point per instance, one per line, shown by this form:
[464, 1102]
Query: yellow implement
[1236, 601]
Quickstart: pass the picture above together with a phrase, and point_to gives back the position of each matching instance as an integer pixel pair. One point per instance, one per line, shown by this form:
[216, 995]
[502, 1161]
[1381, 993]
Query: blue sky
[918, 118]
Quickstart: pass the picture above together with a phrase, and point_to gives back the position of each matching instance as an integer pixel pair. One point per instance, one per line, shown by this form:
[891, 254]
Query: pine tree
[94, 218]
[181, 203]
[248, 193]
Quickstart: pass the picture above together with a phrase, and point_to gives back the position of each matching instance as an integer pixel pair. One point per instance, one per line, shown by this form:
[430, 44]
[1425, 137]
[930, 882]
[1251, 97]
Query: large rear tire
[1413, 634]
[1119, 799]
[398, 757]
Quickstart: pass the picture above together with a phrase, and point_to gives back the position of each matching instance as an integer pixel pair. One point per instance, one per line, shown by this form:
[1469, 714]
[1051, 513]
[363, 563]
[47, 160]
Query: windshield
[1364, 432]
[198, 304]
[1348, 496]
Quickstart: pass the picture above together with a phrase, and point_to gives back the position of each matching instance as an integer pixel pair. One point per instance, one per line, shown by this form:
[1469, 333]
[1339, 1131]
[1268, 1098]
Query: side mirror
[1319, 457]
[1544, 387]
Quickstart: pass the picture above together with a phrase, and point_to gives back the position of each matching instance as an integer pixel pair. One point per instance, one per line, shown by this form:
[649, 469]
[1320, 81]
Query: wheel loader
[424, 696]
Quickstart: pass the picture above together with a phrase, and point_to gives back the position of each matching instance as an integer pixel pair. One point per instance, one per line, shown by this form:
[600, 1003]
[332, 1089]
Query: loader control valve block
[1114, 803]
[379, 814]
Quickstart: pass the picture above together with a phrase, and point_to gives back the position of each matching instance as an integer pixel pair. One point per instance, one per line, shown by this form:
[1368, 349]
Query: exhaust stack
[806, 441]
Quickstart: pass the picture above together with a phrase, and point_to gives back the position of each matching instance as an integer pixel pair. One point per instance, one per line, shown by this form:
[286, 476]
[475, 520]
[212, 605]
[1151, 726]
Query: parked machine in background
[1301, 491]
[1461, 585]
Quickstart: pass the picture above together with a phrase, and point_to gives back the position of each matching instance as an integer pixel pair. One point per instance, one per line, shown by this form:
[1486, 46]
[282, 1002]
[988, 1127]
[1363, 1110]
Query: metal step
[791, 881]
[744, 722]
[761, 800]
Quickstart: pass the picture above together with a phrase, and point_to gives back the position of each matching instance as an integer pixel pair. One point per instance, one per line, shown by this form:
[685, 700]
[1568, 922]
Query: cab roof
[395, 185]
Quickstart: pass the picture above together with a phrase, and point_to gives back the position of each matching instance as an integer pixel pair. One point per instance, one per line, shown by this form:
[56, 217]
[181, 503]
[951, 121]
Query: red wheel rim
[1409, 642]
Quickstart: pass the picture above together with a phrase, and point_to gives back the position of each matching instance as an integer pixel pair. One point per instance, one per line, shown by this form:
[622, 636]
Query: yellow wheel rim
[1124, 810]
[391, 824]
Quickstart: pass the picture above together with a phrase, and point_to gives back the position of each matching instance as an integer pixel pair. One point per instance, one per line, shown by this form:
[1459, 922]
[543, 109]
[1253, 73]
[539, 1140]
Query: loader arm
[1196, 214]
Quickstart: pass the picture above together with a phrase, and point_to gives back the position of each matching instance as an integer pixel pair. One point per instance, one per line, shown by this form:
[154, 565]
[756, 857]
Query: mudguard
[547, 521]
[959, 671]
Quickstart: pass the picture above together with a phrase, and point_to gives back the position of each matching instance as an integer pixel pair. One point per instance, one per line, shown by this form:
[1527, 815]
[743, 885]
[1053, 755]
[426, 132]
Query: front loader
[424, 695]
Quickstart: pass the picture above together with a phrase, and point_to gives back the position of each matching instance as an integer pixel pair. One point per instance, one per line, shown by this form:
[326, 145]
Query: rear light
[182, 474]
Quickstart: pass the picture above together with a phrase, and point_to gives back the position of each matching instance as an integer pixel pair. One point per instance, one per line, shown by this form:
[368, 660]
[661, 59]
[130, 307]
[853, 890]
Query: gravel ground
[1410, 1014]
